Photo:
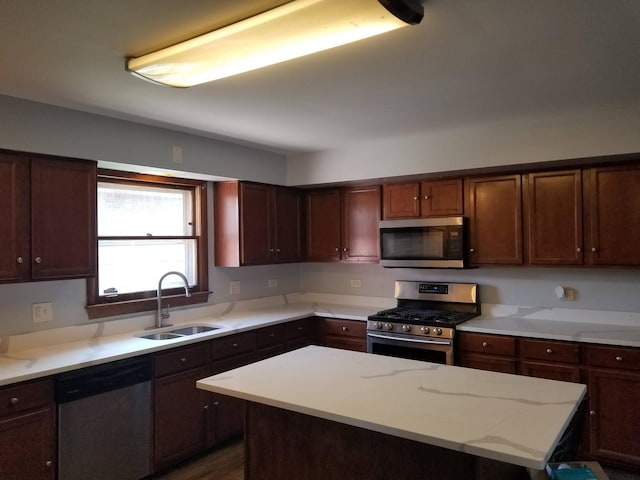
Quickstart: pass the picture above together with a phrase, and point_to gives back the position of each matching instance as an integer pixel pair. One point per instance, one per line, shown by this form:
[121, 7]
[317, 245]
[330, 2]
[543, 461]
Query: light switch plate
[41, 312]
[234, 288]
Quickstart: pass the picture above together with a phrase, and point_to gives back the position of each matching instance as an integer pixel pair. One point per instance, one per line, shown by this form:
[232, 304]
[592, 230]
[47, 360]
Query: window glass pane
[137, 265]
[134, 211]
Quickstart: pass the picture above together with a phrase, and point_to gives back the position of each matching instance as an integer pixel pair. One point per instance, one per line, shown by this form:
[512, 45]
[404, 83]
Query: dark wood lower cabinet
[27, 431]
[284, 445]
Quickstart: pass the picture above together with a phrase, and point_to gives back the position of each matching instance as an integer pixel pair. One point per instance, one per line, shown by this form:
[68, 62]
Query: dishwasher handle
[102, 378]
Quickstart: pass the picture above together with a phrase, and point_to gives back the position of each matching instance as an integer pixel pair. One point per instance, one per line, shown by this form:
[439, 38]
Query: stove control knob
[425, 330]
[388, 326]
[379, 325]
[406, 328]
[437, 331]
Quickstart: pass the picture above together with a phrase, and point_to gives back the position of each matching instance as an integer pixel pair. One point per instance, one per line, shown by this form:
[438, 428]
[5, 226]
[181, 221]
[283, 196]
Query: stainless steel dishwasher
[104, 421]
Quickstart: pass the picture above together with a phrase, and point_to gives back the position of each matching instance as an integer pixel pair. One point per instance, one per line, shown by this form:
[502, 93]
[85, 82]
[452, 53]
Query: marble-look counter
[508, 418]
[588, 326]
[47, 353]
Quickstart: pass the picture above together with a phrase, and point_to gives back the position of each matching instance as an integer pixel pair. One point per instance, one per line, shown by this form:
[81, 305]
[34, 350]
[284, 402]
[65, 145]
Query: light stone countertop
[77, 347]
[509, 418]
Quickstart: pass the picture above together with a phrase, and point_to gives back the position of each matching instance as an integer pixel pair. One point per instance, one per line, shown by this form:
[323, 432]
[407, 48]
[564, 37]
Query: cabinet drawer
[299, 328]
[268, 336]
[614, 357]
[551, 351]
[229, 363]
[27, 396]
[238, 344]
[491, 344]
[180, 360]
[347, 328]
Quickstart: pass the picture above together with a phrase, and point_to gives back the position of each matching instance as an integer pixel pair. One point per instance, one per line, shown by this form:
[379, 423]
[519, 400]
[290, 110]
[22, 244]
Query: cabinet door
[614, 407]
[15, 251]
[227, 417]
[256, 220]
[401, 200]
[614, 227]
[26, 443]
[441, 197]
[288, 242]
[180, 418]
[495, 217]
[323, 225]
[553, 206]
[63, 218]
[360, 224]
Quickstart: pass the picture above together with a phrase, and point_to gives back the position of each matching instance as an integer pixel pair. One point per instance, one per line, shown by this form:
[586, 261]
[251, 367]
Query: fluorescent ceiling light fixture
[292, 30]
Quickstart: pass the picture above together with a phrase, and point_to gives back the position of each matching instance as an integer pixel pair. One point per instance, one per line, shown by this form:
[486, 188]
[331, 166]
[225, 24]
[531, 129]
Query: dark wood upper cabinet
[553, 217]
[423, 199]
[342, 224]
[15, 211]
[612, 215]
[256, 224]
[48, 218]
[360, 224]
[494, 208]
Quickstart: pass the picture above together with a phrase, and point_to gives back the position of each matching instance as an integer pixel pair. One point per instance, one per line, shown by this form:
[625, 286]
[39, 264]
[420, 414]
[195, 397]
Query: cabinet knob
[48, 463]
[235, 345]
[20, 260]
[618, 359]
[13, 400]
[485, 344]
[183, 360]
[427, 197]
[337, 249]
[549, 351]
[345, 249]
[215, 404]
[594, 249]
[271, 250]
[277, 250]
[472, 250]
[345, 329]
[272, 335]
[37, 260]
[415, 198]
[592, 413]
[206, 407]
[578, 249]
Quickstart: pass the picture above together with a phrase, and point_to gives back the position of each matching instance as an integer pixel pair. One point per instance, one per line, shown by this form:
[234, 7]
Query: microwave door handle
[406, 339]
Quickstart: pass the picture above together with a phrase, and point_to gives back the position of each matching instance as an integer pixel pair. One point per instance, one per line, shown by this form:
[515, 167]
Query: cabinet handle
[592, 413]
[485, 344]
[48, 463]
[37, 260]
[618, 359]
[549, 351]
[594, 249]
[14, 400]
[20, 260]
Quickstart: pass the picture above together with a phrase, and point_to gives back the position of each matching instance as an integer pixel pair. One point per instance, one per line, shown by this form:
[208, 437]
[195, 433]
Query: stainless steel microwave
[424, 243]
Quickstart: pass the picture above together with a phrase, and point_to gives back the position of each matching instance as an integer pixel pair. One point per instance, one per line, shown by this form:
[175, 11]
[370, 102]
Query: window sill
[111, 309]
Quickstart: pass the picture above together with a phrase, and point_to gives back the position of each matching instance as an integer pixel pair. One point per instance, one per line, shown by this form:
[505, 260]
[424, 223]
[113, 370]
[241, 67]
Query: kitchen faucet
[160, 315]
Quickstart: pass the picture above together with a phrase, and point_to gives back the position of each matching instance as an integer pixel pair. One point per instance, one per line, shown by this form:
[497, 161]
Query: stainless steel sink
[160, 336]
[193, 329]
[179, 332]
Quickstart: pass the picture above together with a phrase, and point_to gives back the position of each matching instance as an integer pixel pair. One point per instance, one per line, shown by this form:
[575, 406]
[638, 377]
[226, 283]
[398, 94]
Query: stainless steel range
[422, 325]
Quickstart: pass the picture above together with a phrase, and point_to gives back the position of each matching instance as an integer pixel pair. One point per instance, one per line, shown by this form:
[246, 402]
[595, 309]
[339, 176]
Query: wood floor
[224, 464]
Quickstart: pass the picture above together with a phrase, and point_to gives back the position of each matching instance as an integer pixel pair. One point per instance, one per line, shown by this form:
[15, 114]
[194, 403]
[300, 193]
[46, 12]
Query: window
[147, 226]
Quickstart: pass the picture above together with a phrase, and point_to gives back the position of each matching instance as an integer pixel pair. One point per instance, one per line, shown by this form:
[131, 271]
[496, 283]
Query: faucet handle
[164, 312]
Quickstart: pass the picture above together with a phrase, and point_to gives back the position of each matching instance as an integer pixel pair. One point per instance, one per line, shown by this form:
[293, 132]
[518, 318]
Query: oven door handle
[409, 339]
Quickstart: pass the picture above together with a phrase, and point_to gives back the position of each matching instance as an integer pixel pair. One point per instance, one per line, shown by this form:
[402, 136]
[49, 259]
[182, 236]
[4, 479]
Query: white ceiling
[469, 61]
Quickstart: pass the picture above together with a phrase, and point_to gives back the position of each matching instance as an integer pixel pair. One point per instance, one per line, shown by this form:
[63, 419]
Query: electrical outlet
[569, 294]
[273, 283]
[41, 312]
[177, 155]
[234, 288]
[356, 283]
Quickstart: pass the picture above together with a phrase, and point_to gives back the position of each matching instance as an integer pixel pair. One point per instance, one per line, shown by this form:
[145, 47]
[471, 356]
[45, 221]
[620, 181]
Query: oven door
[435, 350]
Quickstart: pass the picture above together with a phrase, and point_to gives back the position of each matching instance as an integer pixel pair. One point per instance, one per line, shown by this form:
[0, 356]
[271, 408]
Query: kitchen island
[322, 413]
